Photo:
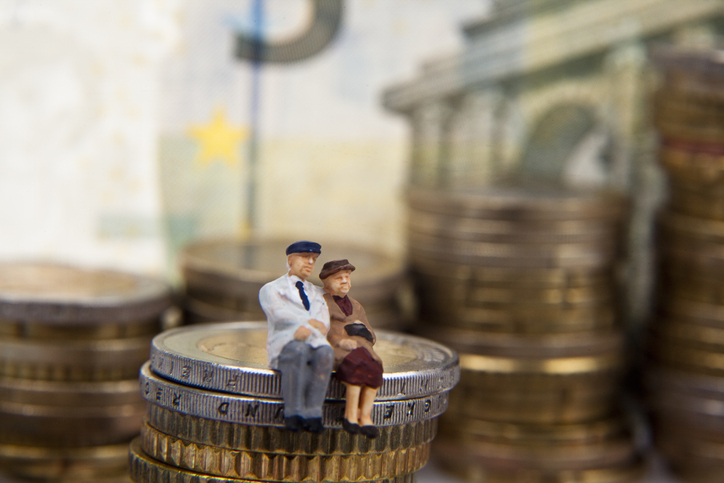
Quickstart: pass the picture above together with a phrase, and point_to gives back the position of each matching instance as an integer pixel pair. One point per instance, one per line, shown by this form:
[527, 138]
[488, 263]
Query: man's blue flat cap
[304, 247]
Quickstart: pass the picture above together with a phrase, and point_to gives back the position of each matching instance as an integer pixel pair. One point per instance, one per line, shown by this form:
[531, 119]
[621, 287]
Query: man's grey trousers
[305, 377]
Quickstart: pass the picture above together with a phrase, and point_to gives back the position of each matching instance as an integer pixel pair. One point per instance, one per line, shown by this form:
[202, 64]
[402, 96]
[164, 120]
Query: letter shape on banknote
[358, 367]
[298, 322]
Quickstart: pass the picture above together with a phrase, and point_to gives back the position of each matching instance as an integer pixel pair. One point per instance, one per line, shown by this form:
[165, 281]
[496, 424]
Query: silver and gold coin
[51, 293]
[255, 410]
[73, 360]
[232, 358]
[274, 466]
[520, 201]
[222, 279]
[86, 464]
[223, 434]
[145, 469]
[52, 426]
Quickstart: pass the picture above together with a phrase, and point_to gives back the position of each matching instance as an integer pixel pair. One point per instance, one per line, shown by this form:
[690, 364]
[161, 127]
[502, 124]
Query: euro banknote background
[126, 126]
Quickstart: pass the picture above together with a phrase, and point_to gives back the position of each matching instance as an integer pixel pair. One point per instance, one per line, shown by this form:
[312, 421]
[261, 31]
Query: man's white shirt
[285, 313]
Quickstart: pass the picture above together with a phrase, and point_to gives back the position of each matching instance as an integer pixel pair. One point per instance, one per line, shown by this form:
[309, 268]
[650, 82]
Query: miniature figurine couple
[313, 331]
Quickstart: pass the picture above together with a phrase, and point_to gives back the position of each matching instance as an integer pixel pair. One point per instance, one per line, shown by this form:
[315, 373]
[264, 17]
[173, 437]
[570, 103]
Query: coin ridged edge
[270, 412]
[145, 469]
[216, 376]
[279, 440]
[281, 466]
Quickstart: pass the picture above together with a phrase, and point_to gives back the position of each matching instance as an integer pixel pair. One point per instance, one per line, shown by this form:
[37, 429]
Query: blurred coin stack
[71, 344]
[521, 281]
[686, 335]
[222, 280]
[215, 413]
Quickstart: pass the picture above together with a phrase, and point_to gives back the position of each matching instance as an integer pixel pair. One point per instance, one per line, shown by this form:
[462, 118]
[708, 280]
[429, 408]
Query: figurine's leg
[320, 368]
[293, 366]
[367, 400]
[351, 408]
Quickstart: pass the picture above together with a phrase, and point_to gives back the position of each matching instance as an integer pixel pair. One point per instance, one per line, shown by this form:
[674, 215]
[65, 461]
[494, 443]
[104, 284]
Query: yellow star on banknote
[218, 140]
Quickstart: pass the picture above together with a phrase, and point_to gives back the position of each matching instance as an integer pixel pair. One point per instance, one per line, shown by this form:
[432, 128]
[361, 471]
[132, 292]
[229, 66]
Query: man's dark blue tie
[302, 295]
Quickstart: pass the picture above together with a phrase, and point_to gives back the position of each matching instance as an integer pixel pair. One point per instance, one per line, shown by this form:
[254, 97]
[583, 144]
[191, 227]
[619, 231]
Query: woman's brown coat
[338, 323]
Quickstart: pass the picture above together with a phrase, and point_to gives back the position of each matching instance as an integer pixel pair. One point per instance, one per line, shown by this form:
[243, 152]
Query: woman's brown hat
[335, 266]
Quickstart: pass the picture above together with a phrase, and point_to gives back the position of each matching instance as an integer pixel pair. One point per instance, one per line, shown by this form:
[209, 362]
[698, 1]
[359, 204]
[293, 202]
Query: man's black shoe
[313, 425]
[294, 423]
[350, 427]
[370, 431]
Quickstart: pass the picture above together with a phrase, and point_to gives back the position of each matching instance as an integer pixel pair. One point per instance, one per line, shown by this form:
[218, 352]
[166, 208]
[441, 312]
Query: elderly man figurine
[352, 338]
[297, 345]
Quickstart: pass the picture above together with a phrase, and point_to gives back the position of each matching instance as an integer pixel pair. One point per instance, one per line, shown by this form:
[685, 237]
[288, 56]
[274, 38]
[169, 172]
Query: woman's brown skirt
[358, 368]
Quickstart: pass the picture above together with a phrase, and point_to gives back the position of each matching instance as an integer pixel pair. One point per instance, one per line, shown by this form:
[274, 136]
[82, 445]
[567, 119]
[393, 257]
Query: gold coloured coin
[522, 319]
[684, 382]
[693, 455]
[700, 361]
[527, 346]
[69, 331]
[668, 107]
[697, 312]
[692, 166]
[692, 410]
[482, 295]
[200, 312]
[234, 436]
[446, 227]
[696, 200]
[71, 360]
[699, 255]
[692, 72]
[579, 255]
[693, 227]
[667, 426]
[520, 202]
[690, 335]
[35, 425]
[702, 133]
[145, 469]
[558, 407]
[383, 315]
[461, 462]
[70, 394]
[52, 293]
[547, 372]
[239, 269]
[511, 277]
[69, 464]
[686, 285]
[559, 434]
[281, 466]
[615, 452]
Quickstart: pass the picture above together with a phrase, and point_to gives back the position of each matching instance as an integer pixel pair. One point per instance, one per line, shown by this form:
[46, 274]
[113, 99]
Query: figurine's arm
[282, 315]
[363, 320]
[347, 344]
[319, 313]
[319, 326]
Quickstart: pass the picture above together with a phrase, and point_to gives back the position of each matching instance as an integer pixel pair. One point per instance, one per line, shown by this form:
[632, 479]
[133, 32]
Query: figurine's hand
[348, 344]
[302, 333]
[318, 325]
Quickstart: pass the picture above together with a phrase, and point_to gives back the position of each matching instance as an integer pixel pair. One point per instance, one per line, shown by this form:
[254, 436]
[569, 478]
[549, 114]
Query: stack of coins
[521, 281]
[215, 412]
[71, 344]
[686, 336]
[222, 280]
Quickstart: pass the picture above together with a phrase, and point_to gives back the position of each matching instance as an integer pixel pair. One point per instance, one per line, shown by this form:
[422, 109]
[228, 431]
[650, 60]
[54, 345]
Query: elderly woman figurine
[352, 338]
